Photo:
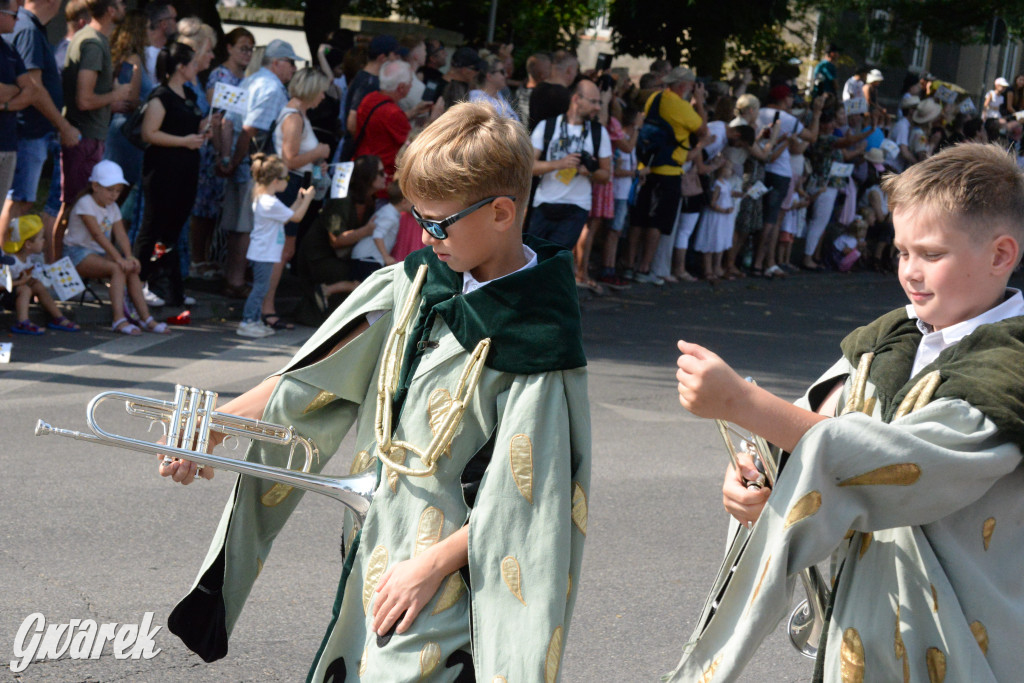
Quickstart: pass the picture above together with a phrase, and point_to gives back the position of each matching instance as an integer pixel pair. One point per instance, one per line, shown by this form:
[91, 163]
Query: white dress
[714, 233]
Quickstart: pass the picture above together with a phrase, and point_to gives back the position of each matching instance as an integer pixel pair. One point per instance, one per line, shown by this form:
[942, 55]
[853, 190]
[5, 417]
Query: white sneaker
[254, 329]
[649, 279]
[151, 298]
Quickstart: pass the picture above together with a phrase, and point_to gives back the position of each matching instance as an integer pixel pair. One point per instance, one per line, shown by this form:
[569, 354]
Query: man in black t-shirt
[551, 98]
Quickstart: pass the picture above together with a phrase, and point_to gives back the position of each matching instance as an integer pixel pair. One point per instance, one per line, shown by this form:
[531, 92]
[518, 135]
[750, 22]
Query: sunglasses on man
[439, 229]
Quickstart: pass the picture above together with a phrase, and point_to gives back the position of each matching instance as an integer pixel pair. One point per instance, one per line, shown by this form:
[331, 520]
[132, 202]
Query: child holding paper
[25, 242]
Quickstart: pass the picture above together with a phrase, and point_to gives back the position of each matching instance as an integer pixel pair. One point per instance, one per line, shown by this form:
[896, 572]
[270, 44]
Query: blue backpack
[656, 142]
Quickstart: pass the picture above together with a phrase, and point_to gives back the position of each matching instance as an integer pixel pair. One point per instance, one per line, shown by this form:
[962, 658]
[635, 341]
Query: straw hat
[927, 111]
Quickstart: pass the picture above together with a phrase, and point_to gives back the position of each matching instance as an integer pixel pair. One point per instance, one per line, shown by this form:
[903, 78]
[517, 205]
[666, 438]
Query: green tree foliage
[695, 31]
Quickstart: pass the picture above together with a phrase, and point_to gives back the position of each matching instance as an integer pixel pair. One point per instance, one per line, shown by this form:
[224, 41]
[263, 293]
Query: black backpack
[656, 142]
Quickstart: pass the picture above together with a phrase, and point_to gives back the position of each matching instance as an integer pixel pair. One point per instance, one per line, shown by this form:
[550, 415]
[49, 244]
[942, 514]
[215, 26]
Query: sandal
[26, 327]
[150, 325]
[124, 327]
[278, 324]
[64, 325]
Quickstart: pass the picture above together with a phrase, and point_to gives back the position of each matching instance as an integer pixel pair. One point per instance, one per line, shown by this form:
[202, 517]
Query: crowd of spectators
[667, 179]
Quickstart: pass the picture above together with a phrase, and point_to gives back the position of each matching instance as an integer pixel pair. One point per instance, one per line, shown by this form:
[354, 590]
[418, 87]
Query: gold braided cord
[920, 395]
[855, 403]
[387, 385]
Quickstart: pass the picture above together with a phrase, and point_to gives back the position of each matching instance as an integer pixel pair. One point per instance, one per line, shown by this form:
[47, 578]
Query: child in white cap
[25, 243]
[98, 246]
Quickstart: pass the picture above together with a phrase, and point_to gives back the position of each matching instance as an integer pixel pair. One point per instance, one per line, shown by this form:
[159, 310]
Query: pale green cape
[932, 587]
[527, 525]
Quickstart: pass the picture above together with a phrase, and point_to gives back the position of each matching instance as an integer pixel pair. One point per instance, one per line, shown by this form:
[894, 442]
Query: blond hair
[978, 185]
[266, 168]
[307, 83]
[469, 153]
[194, 33]
[747, 101]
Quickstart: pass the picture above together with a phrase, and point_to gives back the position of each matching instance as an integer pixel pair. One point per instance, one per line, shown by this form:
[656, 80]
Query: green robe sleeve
[527, 529]
[321, 399]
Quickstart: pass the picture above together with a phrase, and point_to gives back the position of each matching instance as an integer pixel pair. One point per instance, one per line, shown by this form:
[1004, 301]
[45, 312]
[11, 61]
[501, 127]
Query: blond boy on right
[921, 470]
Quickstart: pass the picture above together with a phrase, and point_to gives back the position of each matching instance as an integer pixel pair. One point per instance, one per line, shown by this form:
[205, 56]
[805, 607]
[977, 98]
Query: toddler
[373, 252]
[717, 221]
[25, 243]
[266, 243]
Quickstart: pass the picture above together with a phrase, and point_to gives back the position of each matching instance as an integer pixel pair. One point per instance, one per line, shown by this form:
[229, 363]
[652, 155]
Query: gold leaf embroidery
[808, 504]
[757, 588]
[319, 401]
[864, 543]
[360, 462]
[363, 661]
[980, 635]
[520, 452]
[375, 567]
[919, 395]
[275, 495]
[398, 455]
[898, 645]
[987, 530]
[554, 656]
[430, 528]
[437, 407]
[499, 679]
[513, 577]
[579, 507]
[935, 598]
[430, 657]
[936, 662]
[450, 593]
[259, 567]
[851, 657]
[709, 673]
[869, 405]
[903, 474]
[568, 591]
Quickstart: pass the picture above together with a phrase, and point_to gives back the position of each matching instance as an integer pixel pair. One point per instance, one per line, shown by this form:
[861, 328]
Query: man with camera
[571, 151]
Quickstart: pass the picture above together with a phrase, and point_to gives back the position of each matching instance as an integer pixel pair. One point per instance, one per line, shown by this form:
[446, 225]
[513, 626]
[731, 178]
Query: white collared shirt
[935, 342]
[470, 283]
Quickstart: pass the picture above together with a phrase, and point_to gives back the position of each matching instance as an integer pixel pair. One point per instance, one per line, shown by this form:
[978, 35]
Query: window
[922, 47]
[879, 24]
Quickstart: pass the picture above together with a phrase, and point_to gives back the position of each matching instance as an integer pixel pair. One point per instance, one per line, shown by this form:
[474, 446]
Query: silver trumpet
[188, 421]
[808, 619]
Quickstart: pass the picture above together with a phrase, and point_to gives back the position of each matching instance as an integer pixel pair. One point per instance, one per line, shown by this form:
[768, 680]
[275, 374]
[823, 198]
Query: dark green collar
[985, 368]
[532, 316]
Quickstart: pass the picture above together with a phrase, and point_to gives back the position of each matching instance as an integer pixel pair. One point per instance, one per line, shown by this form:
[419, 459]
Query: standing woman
[210, 191]
[297, 145]
[170, 166]
[127, 47]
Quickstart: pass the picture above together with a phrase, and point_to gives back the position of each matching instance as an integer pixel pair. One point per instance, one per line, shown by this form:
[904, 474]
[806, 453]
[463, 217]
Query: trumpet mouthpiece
[43, 428]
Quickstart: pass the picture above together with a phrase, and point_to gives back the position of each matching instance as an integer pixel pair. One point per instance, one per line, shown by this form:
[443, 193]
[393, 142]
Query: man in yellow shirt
[657, 203]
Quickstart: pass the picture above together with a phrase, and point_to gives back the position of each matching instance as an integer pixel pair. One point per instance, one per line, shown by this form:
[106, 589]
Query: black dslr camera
[588, 162]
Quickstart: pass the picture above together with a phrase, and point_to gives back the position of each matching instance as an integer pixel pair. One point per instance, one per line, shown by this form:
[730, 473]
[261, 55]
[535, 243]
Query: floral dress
[210, 193]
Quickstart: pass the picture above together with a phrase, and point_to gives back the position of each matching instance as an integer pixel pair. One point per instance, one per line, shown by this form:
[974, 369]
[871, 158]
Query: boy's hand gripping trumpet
[188, 421]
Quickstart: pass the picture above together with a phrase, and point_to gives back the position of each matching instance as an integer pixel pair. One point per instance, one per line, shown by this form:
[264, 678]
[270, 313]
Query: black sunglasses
[439, 229]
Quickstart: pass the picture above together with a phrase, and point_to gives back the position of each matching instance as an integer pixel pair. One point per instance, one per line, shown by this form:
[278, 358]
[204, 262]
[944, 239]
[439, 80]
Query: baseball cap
[22, 230]
[1003, 82]
[779, 93]
[107, 173]
[382, 45]
[466, 57]
[680, 74]
[279, 49]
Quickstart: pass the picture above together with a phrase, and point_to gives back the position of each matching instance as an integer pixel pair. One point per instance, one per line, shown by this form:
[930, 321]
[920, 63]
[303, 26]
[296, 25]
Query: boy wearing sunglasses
[479, 512]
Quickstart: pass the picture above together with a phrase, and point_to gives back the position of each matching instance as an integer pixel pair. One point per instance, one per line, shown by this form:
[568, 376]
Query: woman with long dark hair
[170, 167]
[324, 263]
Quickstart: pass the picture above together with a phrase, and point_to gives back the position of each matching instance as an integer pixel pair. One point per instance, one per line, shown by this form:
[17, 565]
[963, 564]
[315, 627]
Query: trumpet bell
[805, 630]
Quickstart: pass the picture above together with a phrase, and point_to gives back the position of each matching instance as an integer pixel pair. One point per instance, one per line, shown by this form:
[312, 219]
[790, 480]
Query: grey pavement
[92, 533]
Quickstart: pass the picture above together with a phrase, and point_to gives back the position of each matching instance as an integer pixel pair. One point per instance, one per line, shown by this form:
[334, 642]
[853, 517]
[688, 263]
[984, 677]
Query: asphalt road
[91, 533]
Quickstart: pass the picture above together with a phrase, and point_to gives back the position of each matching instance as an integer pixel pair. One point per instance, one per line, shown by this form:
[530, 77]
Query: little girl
[98, 246]
[266, 242]
[25, 242]
[846, 249]
[715, 234]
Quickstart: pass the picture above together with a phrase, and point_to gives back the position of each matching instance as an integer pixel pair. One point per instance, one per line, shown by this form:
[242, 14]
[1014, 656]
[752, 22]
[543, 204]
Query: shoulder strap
[362, 129]
[549, 132]
[595, 137]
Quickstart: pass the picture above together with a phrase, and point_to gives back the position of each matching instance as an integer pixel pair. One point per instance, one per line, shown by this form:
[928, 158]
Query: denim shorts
[621, 215]
[77, 254]
[32, 154]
